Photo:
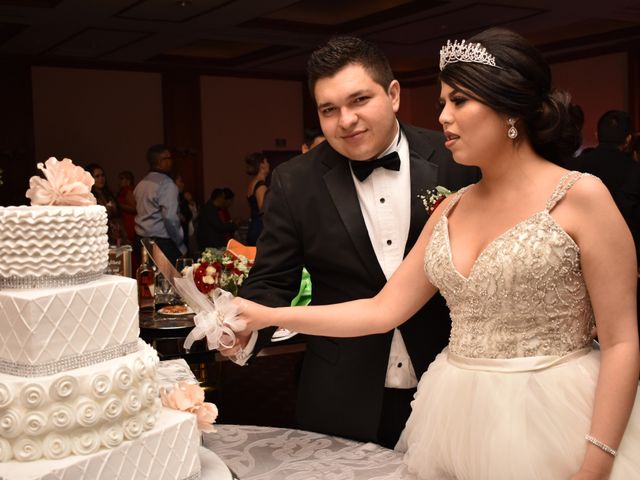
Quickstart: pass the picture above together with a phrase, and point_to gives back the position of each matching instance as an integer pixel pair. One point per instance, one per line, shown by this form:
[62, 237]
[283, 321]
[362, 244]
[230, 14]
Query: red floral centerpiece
[208, 287]
[220, 269]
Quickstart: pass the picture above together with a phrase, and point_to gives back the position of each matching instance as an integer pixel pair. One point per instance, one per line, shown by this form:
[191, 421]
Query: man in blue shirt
[157, 205]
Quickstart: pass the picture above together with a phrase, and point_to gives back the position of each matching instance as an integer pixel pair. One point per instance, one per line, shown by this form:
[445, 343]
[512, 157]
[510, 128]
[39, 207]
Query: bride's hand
[254, 315]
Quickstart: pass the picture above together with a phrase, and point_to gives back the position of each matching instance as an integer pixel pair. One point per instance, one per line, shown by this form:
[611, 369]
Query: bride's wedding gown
[512, 395]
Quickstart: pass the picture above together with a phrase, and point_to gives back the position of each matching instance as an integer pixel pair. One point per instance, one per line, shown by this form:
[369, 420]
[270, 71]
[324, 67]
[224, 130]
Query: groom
[350, 219]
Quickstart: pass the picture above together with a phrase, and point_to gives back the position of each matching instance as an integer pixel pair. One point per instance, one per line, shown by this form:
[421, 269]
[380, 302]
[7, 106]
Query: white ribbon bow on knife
[216, 315]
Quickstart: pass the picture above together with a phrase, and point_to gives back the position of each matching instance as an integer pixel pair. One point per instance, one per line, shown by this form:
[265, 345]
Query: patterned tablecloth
[267, 453]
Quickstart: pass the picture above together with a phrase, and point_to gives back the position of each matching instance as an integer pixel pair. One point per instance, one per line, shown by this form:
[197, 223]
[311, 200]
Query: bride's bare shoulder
[589, 192]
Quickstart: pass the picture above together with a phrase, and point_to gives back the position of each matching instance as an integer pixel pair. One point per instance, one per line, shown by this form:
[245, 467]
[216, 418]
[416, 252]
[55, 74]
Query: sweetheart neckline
[545, 212]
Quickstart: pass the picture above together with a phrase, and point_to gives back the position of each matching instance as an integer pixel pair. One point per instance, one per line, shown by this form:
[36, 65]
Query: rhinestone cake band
[48, 281]
[69, 363]
[465, 52]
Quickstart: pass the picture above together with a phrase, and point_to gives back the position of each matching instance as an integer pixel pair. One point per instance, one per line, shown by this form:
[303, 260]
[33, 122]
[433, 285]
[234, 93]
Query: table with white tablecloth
[261, 453]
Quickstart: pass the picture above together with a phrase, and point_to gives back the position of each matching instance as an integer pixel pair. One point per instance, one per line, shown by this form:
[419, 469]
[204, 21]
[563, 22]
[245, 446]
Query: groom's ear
[394, 94]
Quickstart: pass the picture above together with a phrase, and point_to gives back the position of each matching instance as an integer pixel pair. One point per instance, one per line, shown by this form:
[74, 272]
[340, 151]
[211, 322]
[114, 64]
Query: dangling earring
[512, 133]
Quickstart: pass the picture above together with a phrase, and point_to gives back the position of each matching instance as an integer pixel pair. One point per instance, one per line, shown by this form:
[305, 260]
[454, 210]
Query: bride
[532, 260]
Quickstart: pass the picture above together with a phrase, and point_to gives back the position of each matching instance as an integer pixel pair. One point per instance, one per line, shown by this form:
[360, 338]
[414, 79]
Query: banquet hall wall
[112, 116]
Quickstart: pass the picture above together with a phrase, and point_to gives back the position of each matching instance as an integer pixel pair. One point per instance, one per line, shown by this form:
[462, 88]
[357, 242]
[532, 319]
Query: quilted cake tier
[45, 331]
[168, 452]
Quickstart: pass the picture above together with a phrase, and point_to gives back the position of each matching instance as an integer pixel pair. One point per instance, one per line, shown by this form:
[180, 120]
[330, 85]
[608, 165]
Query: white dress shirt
[385, 202]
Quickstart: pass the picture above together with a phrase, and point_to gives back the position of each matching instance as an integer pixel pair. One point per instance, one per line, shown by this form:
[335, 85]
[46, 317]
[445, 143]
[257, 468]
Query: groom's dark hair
[338, 52]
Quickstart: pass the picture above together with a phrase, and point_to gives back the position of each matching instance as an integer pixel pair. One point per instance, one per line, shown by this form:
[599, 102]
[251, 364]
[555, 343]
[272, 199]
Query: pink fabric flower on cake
[183, 396]
[189, 397]
[64, 184]
[206, 415]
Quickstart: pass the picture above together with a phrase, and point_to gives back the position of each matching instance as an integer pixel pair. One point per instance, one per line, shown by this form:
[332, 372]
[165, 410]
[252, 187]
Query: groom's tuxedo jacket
[312, 218]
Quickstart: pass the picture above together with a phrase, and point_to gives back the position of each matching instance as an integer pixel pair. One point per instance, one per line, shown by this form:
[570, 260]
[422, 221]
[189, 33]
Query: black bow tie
[362, 169]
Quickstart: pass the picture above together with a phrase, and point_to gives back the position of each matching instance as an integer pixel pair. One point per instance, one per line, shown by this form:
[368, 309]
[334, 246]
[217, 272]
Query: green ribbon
[304, 294]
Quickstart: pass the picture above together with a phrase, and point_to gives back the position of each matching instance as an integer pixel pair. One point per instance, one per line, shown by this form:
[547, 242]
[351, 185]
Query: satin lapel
[424, 175]
[340, 185]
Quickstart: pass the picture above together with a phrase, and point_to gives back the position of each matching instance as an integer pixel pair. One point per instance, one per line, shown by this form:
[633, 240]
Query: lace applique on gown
[512, 395]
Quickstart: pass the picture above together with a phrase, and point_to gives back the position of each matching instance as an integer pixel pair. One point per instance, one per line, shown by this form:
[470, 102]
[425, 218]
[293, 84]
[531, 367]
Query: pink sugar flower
[64, 184]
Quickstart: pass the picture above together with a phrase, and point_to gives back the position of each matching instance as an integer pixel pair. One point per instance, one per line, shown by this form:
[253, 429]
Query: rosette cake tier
[78, 390]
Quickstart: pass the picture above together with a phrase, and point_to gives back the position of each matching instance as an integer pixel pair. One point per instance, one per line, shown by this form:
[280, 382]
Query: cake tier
[80, 411]
[167, 452]
[46, 331]
[48, 246]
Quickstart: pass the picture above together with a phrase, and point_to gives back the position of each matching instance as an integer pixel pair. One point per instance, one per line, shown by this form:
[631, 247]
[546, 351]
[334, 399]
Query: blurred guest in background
[184, 212]
[612, 161]
[104, 197]
[127, 203]
[225, 214]
[193, 207]
[258, 167]
[157, 205]
[312, 138]
[212, 231]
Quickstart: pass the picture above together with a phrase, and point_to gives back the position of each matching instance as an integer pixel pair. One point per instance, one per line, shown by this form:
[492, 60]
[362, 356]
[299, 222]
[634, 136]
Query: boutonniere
[434, 197]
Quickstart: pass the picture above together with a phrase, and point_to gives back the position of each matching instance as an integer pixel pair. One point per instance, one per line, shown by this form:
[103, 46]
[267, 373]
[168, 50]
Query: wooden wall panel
[104, 116]
[183, 127]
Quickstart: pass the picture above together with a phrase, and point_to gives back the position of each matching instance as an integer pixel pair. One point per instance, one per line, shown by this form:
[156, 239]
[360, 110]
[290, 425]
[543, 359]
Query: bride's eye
[458, 100]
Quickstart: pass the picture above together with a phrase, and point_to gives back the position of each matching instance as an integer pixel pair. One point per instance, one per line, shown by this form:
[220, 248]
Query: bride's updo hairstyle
[520, 87]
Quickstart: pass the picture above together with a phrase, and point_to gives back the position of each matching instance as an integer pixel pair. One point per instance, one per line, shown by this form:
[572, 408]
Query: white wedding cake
[78, 391]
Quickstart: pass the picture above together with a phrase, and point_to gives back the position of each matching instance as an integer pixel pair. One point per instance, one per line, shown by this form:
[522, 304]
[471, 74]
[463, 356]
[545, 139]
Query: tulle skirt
[509, 419]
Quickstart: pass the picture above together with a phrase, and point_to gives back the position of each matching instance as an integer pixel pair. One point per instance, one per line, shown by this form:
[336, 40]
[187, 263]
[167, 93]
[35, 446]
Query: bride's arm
[609, 266]
[402, 296]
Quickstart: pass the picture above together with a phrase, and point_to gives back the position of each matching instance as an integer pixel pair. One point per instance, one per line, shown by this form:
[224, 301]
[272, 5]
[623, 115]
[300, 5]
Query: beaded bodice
[525, 294]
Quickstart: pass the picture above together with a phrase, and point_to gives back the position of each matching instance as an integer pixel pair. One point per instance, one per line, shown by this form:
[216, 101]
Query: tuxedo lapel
[340, 185]
[424, 175]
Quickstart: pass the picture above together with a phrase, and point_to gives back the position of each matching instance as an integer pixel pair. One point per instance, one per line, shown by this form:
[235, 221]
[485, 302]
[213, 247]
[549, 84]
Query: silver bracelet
[600, 445]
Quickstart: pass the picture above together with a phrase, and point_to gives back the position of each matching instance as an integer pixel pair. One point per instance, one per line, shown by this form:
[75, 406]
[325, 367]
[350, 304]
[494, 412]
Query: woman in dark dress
[127, 203]
[258, 167]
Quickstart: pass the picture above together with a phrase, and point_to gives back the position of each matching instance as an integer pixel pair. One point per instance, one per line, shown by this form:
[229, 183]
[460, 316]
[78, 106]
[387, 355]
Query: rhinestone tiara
[465, 52]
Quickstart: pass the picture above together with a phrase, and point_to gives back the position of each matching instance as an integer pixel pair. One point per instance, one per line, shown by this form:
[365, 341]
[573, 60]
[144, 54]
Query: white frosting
[168, 451]
[73, 403]
[87, 409]
[52, 241]
[41, 326]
